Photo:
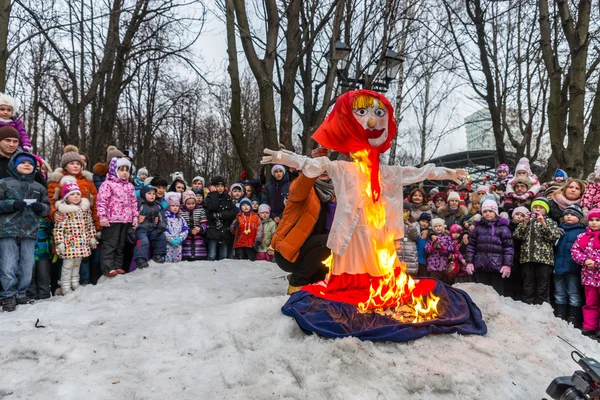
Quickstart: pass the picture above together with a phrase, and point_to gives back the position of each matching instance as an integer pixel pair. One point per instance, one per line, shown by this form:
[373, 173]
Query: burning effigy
[367, 293]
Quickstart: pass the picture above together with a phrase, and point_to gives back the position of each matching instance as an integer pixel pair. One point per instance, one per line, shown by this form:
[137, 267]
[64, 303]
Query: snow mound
[206, 330]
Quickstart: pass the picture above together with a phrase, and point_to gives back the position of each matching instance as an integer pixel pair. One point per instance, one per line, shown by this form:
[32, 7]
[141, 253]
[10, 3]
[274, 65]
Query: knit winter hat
[453, 196]
[561, 173]
[483, 188]
[123, 162]
[22, 157]
[112, 152]
[523, 165]
[462, 187]
[433, 192]
[489, 205]
[264, 208]
[198, 178]
[524, 181]
[188, 195]
[503, 168]
[437, 221]
[575, 210]
[8, 132]
[255, 199]
[277, 167]
[142, 171]
[6, 100]
[70, 153]
[145, 190]
[217, 180]
[246, 200]
[594, 213]
[522, 210]
[172, 198]
[238, 186]
[542, 202]
[425, 217]
[69, 186]
[455, 228]
[440, 195]
[488, 197]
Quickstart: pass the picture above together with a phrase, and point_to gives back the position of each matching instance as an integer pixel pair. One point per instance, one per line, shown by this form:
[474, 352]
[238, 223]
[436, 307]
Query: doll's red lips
[374, 133]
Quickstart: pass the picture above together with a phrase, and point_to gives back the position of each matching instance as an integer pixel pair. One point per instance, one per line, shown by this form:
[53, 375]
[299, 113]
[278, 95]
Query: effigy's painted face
[373, 117]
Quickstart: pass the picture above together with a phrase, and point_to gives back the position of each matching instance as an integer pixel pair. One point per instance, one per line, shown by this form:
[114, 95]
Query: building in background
[480, 135]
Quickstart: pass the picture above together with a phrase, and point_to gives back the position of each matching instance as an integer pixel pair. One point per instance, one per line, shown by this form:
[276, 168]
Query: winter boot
[65, 286]
[575, 317]
[561, 311]
[75, 279]
[111, 273]
[141, 263]
[588, 332]
[9, 304]
[159, 259]
[25, 300]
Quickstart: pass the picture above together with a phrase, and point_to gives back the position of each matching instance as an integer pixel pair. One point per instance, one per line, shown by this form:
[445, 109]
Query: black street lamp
[391, 62]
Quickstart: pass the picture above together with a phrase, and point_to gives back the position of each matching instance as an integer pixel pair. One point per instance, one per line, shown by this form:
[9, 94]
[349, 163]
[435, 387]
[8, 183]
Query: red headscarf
[342, 132]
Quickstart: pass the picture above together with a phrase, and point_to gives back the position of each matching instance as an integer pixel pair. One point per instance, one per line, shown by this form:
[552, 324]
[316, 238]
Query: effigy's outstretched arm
[311, 167]
[429, 171]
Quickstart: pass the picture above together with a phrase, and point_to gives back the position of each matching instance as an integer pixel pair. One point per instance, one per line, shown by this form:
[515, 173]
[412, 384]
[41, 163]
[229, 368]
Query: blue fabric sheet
[457, 313]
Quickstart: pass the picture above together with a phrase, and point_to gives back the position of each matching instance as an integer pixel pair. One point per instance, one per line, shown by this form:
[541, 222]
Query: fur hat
[575, 210]
[523, 165]
[237, 186]
[425, 217]
[522, 210]
[217, 180]
[142, 171]
[453, 196]
[561, 173]
[8, 132]
[264, 208]
[503, 168]
[177, 175]
[198, 178]
[437, 221]
[6, 100]
[524, 181]
[246, 200]
[594, 213]
[69, 186]
[489, 205]
[112, 152]
[172, 198]
[455, 228]
[542, 202]
[70, 154]
[277, 167]
[188, 195]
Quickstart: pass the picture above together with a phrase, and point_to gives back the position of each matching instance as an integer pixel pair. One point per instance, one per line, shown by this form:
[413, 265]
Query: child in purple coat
[490, 251]
[7, 111]
[438, 249]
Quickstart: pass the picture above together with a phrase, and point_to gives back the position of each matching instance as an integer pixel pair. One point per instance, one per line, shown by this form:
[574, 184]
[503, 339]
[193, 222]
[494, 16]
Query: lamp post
[391, 62]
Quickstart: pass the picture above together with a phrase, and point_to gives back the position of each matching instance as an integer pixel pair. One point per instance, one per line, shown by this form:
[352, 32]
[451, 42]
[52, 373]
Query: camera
[533, 215]
[583, 385]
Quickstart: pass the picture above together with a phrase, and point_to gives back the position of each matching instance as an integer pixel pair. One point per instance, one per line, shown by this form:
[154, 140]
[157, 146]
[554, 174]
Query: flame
[393, 295]
[329, 264]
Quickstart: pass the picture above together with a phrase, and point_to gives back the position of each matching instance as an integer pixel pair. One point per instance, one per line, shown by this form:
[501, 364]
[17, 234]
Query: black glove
[37, 207]
[219, 224]
[18, 205]
[235, 225]
[217, 215]
[256, 245]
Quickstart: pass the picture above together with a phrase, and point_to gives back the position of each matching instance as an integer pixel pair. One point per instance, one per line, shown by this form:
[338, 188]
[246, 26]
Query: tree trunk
[5, 7]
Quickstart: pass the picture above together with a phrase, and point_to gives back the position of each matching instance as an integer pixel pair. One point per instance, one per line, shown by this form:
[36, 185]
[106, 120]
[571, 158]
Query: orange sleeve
[52, 187]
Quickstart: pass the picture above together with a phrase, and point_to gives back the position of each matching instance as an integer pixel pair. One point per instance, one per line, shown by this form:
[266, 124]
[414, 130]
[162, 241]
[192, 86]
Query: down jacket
[491, 245]
[20, 224]
[563, 260]
[220, 213]
[269, 227]
[116, 198]
[151, 211]
[450, 217]
[590, 276]
[438, 253]
[193, 245]
[248, 230]
[77, 230]
[538, 241]
[274, 193]
[408, 252]
[86, 185]
[591, 196]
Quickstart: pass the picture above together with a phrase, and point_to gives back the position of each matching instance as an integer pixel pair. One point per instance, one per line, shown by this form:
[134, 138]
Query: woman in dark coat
[490, 251]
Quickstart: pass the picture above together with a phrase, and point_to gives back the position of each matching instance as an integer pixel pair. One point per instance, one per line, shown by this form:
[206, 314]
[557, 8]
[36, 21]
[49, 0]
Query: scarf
[562, 202]
[589, 235]
[325, 190]
[452, 209]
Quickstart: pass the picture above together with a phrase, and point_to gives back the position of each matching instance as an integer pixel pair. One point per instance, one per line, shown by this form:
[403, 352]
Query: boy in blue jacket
[424, 220]
[567, 273]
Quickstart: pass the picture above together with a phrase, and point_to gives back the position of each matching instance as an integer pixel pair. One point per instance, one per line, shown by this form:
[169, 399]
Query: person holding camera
[538, 233]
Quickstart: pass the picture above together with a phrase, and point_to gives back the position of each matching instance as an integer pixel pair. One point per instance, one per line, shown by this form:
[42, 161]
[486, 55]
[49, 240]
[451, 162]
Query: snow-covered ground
[215, 331]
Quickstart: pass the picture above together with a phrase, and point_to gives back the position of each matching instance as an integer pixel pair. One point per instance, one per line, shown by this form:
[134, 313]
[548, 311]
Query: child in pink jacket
[117, 209]
[586, 251]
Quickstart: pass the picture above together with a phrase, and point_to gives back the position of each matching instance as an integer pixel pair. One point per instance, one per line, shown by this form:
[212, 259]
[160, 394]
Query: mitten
[37, 207]
[104, 222]
[256, 245]
[217, 215]
[219, 224]
[176, 242]
[27, 149]
[505, 271]
[134, 222]
[470, 269]
[93, 243]
[235, 225]
[61, 249]
[18, 205]
[98, 235]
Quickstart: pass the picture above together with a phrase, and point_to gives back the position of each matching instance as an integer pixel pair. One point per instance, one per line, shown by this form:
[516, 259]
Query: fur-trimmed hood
[65, 208]
[59, 173]
[423, 207]
[445, 211]
[100, 169]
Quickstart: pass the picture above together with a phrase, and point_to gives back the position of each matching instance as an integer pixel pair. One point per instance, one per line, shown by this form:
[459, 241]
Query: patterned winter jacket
[248, 230]
[563, 260]
[43, 245]
[116, 198]
[20, 224]
[176, 227]
[18, 125]
[590, 276]
[85, 183]
[438, 253]
[538, 241]
[591, 196]
[193, 245]
[407, 251]
[269, 227]
[490, 245]
[77, 230]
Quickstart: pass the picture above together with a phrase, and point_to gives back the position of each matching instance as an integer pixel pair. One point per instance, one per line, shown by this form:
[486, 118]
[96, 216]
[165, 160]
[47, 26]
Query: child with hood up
[458, 257]
[150, 232]
[75, 236]
[7, 118]
[591, 195]
[269, 227]
[438, 249]
[523, 170]
[194, 215]
[117, 211]
[503, 176]
[177, 229]
[141, 176]
[490, 251]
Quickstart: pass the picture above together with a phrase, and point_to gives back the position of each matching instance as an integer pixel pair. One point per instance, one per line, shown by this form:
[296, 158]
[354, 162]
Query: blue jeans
[84, 271]
[567, 287]
[146, 240]
[223, 248]
[16, 266]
